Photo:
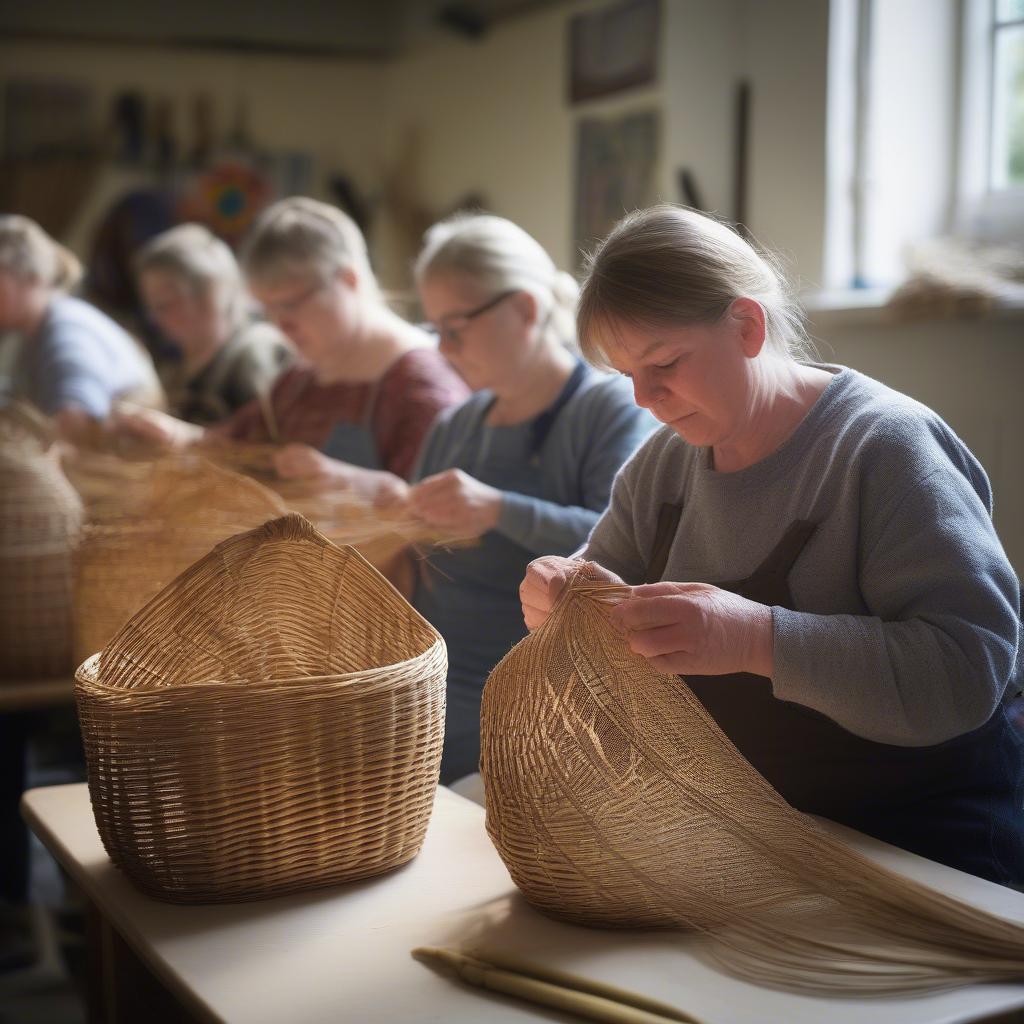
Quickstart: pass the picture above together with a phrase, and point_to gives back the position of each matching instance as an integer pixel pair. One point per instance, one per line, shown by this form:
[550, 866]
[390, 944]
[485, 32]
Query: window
[1007, 151]
[925, 132]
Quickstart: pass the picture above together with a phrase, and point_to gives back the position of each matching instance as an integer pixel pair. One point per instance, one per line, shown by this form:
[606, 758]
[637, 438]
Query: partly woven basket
[24, 427]
[109, 472]
[615, 800]
[40, 518]
[179, 512]
[272, 721]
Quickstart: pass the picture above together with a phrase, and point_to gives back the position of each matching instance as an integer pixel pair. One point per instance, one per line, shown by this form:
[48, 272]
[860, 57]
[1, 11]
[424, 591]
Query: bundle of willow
[169, 518]
[381, 536]
[108, 480]
[249, 457]
[40, 518]
[25, 428]
[271, 721]
[378, 534]
[615, 800]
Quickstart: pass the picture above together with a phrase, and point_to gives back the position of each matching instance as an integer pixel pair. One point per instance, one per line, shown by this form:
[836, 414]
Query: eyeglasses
[286, 307]
[449, 327]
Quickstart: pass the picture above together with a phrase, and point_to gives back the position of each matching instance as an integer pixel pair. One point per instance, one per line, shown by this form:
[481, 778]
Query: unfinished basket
[24, 427]
[183, 508]
[272, 721]
[40, 517]
[615, 800]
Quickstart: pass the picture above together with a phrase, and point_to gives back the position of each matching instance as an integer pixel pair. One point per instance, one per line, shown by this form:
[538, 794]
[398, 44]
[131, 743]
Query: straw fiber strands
[179, 511]
[379, 535]
[272, 721]
[110, 474]
[40, 516]
[615, 800]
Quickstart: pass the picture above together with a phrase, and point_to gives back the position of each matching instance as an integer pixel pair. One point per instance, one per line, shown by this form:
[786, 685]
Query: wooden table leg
[120, 988]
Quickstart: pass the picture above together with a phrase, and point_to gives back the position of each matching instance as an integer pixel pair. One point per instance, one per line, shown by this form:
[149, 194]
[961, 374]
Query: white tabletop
[342, 954]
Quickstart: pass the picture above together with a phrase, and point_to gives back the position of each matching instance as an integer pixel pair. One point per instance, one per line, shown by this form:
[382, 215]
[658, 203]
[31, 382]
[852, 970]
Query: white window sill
[869, 306]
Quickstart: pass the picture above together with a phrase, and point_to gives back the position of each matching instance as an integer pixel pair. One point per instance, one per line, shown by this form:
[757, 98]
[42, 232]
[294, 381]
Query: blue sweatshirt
[80, 357]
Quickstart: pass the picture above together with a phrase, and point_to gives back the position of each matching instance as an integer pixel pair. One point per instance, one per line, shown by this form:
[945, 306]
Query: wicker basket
[272, 721]
[184, 507]
[40, 517]
[23, 427]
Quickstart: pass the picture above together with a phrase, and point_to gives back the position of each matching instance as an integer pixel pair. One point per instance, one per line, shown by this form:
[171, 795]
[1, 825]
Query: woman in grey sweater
[812, 551]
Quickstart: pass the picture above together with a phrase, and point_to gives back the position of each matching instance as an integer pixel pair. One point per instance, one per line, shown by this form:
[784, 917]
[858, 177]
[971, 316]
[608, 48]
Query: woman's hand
[544, 580]
[154, 427]
[457, 503]
[696, 629]
[377, 487]
[74, 424]
[302, 462]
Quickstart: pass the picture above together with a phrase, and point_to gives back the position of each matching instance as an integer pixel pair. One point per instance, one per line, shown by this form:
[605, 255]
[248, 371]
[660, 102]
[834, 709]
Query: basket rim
[86, 678]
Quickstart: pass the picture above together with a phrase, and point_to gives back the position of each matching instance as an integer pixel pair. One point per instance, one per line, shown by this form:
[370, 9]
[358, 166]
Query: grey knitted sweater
[908, 615]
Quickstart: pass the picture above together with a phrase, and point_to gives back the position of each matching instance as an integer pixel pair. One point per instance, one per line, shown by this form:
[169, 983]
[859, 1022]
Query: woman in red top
[370, 384]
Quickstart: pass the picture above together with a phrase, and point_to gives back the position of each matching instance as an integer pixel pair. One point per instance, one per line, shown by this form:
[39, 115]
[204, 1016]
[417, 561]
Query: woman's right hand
[544, 580]
[154, 427]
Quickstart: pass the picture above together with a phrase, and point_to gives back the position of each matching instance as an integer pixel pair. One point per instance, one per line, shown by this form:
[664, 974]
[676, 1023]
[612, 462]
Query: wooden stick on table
[592, 1000]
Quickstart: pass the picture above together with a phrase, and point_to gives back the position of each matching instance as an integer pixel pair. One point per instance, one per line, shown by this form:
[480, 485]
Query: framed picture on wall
[616, 172]
[613, 48]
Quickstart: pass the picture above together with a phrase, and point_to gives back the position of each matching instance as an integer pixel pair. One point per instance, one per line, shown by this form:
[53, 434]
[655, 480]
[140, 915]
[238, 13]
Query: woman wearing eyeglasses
[524, 466]
[356, 413]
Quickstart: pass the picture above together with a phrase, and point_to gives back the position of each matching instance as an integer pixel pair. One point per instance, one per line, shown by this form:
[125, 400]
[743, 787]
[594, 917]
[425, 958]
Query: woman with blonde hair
[193, 290]
[522, 467]
[74, 361]
[812, 551]
[357, 409]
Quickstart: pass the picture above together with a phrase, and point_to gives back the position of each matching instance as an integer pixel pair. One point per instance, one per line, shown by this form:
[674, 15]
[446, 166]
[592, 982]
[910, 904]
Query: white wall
[785, 48]
[328, 108]
[969, 372]
[492, 116]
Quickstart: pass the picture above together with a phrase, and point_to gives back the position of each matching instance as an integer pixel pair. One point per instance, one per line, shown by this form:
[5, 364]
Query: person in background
[355, 412]
[74, 362]
[192, 289]
[812, 551]
[522, 467]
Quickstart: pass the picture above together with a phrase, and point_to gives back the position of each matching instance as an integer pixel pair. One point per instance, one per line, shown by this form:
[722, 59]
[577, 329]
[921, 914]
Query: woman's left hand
[696, 629]
[456, 503]
[302, 462]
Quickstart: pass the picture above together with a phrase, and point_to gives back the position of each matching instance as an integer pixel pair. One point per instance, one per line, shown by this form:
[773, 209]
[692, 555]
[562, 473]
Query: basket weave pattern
[272, 721]
[40, 517]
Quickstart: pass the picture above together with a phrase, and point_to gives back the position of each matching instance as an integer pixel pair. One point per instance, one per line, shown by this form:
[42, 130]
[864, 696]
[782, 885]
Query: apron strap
[541, 426]
[371, 404]
[778, 563]
[664, 534]
[781, 558]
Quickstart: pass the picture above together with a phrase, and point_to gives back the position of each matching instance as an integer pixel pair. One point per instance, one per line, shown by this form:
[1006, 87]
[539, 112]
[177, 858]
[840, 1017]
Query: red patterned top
[406, 401]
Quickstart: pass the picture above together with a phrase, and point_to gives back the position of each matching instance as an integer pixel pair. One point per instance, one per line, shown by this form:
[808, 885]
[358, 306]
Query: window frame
[982, 210]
